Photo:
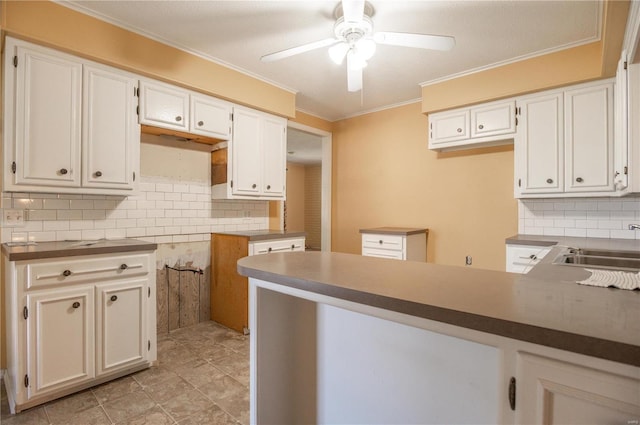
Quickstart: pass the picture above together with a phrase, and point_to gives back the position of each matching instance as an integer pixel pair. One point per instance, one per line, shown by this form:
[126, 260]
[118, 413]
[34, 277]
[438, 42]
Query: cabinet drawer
[60, 272]
[382, 253]
[276, 245]
[520, 259]
[387, 242]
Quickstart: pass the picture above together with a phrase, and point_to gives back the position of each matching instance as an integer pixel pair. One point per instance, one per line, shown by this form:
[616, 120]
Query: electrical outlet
[246, 213]
[468, 260]
[13, 218]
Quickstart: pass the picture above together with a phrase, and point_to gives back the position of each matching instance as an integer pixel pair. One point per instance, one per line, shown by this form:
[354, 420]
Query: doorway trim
[325, 203]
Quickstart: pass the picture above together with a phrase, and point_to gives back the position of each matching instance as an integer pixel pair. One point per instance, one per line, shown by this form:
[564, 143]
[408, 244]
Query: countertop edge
[77, 251]
[581, 344]
[254, 236]
[403, 231]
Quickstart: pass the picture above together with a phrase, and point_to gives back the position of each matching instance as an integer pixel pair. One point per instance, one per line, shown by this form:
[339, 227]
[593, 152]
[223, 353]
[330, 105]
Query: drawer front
[382, 253]
[42, 273]
[520, 259]
[276, 245]
[377, 241]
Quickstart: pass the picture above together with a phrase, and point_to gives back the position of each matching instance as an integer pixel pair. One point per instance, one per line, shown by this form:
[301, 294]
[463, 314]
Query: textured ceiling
[237, 33]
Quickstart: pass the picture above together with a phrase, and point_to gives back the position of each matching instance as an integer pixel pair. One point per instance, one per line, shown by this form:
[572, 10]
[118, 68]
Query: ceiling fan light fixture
[356, 61]
[338, 52]
[365, 48]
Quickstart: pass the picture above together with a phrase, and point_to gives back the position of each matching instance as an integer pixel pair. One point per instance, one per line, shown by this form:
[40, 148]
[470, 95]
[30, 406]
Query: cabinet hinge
[626, 170]
[13, 167]
[516, 121]
[137, 110]
[625, 65]
[148, 345]
[519, 182]
[512, 393]
[231, 184]
[134, 176]
[148, 292]
[231, 116]
[25, 312]
[15, 61]
[26, 381]
[137, 92]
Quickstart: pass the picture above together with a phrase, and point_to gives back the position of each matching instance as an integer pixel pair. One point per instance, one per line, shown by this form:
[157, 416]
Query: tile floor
[202, 377]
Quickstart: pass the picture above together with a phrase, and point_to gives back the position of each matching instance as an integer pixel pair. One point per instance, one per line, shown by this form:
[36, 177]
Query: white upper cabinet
[164, 106]
[481, 125]
[111, 136]
[44, 147]
[70, 124]
[621, 145]
[256, 157]
[210, 117]
[565, 142]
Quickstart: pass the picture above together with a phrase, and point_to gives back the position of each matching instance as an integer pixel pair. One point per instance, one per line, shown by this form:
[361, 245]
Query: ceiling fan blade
[352, 10]
[420, 41]
[354, 75]
[299, 49]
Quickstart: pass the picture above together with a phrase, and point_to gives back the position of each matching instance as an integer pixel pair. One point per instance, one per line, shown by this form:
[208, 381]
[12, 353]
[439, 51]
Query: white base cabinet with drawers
[395, 242]
[521, 258]
[73, 322]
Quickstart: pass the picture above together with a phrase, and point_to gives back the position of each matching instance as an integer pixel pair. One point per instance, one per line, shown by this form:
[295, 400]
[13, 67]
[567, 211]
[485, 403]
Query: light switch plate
[13, 218]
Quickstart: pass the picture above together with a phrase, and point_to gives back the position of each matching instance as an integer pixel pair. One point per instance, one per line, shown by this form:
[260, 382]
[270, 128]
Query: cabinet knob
[269, 250]
[268, 186]
[75, 304]
[459, 130]
[123, 267]
[66, 273]
[481, 126]
[114, 298]
[178, 118]
[293, 246]
[579, 180]
[200, 123]
[533, 257]
[98, 174]
[380, 241]
[63, 171]
[253, 186]
[549, 181]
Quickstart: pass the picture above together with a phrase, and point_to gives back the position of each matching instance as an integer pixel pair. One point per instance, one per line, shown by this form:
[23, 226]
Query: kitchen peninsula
[342, 338]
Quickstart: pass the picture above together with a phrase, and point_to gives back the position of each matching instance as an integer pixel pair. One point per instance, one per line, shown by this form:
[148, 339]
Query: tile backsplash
[580, 217]
[164, 211]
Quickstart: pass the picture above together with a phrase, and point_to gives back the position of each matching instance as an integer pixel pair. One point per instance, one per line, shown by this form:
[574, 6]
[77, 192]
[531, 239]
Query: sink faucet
[634, 227]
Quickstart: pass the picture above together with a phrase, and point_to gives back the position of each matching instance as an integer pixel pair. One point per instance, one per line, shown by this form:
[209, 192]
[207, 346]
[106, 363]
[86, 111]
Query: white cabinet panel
[164, 106]
[60, 339]
[111, 136]
[47, 118]
[246, 152]
[276, 245]
[521, 258]
[493, 119]
[274, 148]
[448, 127]
[401, 246]
[210, 117]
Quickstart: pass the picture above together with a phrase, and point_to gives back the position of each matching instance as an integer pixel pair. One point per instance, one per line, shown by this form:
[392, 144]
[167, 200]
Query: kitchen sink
[600, 259]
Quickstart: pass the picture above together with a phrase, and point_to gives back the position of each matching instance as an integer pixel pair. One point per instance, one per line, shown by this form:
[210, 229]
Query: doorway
[308, 204]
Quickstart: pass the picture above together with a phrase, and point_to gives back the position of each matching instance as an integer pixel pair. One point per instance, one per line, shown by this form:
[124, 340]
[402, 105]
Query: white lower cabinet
[73, 322]
[276, 245]
[398, 243]
[521, 258]
[552, 391]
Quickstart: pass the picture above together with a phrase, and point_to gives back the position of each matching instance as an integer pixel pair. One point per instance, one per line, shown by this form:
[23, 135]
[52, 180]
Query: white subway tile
[136, 232]
[104, 204]
[115, 233]
[188, 197]
[576, 233]
[188, 229]
[104, 224]
[172, 230]
[69, 214]
[173, 213]
[68, 235]
[181, 188]
[42, 236]
[81, 224]
[115, 214]
[608, 205]
[81, 204]
[55, 204]
[622, 234]
[190, 213]
[165, 205]
[55, 225]
[197, 238]
[164, 221]
[137, 213]
[609, 224]
[564, 223]
[94, 214]
[164, 239]
[552, 231]
[147, 187]
[155, 213]
[33, 215]
[146, 222]
[598, 233]
[164, 187]
[70, 196]
[128, 205]
[180, 238]
[180, 205]
[93, 235]
[203, 229]
[176, 196]
[146, 205]
[126, 223]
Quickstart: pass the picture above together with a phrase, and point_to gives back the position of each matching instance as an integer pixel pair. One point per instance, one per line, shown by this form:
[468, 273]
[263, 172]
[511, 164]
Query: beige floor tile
[199, 372]
[93, 416]
[153, 375]
[230, 395]
[154, 416]
[212, 416]
[186, 404]
[129, 407]
[166, 390]
[116, 389]
[33, 416]
[64, 409]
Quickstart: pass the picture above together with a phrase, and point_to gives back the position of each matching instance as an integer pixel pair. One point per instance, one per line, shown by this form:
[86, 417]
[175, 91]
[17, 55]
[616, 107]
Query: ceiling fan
[355, 40]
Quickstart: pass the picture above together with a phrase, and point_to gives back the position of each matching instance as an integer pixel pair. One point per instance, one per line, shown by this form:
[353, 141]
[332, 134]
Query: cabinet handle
[66, 273]
[63, 171]
[533, 257]
[253, 186]
[178, 118]
[123, 267]
[200, 123]
[549, 181]
[114, 298]
[579, 180]
[481, 126]
[459, 130]
[98, 174]
[268, 186]
[75, 304]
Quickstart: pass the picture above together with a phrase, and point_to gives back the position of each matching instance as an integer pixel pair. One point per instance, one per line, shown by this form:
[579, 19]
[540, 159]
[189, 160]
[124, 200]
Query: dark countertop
[598, 322]
[402, 231]
[632, 245]
[264, 235]
[75, 248]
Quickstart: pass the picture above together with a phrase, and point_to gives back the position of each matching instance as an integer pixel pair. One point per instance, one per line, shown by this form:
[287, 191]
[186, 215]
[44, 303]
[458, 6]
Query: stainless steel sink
[600, 259]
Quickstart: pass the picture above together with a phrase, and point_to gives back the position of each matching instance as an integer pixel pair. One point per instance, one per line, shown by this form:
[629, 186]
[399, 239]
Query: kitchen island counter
[598, 322]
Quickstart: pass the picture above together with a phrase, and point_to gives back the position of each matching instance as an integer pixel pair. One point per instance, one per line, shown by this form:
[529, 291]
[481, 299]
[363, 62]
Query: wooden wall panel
[229, 290]
[174, 299]
[189, 303]
[162, 301]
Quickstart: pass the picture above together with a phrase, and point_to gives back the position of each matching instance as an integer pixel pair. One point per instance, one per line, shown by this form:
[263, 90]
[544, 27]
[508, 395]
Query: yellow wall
[295, 197]
[384, 175]
[57, 26]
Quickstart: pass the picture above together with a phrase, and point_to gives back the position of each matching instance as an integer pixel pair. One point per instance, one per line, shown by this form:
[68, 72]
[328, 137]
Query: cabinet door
[60, 342]
[210, 117]
[539, 153]
[493, 119]
[589, 139]
[448, 127]
[164, 106]
[246, 152]
[554, 392]
[121, 325]
[274, 147]
[621, 114]
[47, 118]
[110, 131]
